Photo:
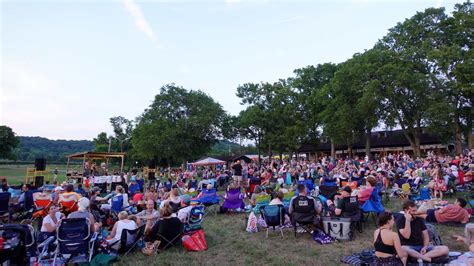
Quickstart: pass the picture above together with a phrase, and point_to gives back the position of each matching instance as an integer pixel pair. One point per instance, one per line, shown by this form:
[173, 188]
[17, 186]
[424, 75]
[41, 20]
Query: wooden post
[121, 166]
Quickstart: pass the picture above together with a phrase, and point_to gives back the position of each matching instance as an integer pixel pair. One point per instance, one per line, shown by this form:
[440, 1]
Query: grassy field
[229, 244]
[16, 173]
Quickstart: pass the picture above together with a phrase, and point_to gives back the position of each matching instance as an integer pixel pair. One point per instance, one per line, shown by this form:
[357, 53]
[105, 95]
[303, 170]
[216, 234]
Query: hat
[347, 189]
[58, 189]
[186, 199]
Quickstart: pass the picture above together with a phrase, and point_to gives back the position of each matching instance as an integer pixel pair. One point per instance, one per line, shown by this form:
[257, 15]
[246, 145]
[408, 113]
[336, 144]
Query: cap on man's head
[347, 189]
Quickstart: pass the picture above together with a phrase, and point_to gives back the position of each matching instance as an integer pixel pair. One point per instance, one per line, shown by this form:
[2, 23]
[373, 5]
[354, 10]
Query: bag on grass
[367, 256]
[150, 248]
[320, 237]
[435, 239]
[337, 227]
[194, 241]
[252, 223]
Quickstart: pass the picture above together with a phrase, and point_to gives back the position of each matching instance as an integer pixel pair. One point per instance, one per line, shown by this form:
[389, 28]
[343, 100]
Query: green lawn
[16, 173]
[229, 243]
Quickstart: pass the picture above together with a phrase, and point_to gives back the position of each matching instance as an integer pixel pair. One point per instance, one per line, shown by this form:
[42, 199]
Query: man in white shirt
[183, 213]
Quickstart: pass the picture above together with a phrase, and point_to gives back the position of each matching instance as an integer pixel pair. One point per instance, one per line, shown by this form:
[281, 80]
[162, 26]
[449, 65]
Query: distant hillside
[53, 150]
[56, 150]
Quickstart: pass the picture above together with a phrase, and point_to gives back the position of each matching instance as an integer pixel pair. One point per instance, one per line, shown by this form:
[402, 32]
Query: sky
[68, 66]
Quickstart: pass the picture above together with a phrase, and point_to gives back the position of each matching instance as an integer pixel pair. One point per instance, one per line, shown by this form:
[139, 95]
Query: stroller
[75, 241]
[19, 244]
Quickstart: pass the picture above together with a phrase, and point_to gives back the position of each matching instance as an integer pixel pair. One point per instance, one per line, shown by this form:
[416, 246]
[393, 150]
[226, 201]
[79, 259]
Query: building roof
[378, 139]
[96, 155]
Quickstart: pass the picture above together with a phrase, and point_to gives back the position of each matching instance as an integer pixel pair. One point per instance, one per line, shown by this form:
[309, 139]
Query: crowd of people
[128, 201]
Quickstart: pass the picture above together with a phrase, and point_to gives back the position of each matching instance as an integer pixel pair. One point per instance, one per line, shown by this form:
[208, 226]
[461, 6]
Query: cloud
[142, 24]
[439, 3]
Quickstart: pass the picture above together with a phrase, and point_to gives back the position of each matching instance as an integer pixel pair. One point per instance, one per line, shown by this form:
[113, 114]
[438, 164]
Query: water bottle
[104, 233]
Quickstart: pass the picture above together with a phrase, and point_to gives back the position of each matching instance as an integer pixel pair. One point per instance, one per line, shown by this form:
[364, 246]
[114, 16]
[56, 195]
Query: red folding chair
[43, 202]
[68, 203]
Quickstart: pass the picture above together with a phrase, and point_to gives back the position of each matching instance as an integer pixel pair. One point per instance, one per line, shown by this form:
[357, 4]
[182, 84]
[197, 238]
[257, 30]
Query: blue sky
[68, 66]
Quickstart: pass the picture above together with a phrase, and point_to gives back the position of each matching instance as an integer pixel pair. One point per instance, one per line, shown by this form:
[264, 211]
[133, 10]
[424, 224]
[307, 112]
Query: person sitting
[303, 208]
[149, 216]
[167, 229]
[468, 240]
[364, 193]
[414, 235]
[83, 212]
[347, 206]
[123, 223]
[449, 213]
[278, 200]
[69, 190]
[80, 190]
[50, 222]
[174, 199]
[388, 248]
[185, 209]
[151, 194]
[118, 194]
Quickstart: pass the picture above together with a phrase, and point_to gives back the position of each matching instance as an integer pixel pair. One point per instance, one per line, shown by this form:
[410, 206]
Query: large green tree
[179, 125]
[8, 142]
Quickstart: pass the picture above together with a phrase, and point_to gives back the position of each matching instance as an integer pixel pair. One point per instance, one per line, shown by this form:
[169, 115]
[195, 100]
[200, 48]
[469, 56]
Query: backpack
[321, 238]
[337, 227]
[435, 239]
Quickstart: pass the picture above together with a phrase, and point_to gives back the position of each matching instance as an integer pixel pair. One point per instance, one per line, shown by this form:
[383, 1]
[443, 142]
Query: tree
[179, 125]
[452, 60]
[8, 142]
[122, 132]
[408, 80]
[101, 142]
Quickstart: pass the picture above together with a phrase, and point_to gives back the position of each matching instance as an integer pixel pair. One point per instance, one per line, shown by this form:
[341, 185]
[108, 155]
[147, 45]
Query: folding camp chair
[167, 243]
[303, 214]
[405, 191]
[328, 191]
[352, 210]
[287, 198]
[234, 200]
[274, 215]
[373, 206]
[260, 201]
[5, 206]
[67, 203]
[75, 241]
[210, 199]
[42, 203]
[194, 219]
[129, 239]
[352, 184]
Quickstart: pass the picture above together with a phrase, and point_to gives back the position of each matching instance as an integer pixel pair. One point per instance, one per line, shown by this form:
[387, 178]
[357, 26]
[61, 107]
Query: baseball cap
[186, 199]
[347, 189]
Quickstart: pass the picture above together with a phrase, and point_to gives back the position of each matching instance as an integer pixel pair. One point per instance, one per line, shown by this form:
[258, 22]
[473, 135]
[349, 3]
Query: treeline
[419, 76]
[31, 148]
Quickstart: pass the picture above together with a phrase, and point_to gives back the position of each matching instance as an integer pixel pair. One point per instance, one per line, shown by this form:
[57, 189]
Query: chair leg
[267, 231]
[281, 231]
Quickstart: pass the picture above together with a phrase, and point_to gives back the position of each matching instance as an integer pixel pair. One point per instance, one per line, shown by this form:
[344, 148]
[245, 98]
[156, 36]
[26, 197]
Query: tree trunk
[349, 150]
[367, 144]
[416, 148]
[333, 149]
[457, 137]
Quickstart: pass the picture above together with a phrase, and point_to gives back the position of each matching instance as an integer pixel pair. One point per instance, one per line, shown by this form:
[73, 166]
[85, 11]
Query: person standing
[237, 167]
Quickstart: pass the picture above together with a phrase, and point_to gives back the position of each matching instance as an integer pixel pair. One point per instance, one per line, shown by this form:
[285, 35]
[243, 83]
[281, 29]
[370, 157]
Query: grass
[16, 173]
[229, 244]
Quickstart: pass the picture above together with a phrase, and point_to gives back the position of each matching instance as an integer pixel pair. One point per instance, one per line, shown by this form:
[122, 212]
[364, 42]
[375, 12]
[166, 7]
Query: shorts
[430, 216]
[389, 261]
[418, 248]
[237, 178]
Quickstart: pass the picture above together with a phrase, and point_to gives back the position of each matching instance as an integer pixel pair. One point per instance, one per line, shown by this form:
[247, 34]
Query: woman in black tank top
[388, 250]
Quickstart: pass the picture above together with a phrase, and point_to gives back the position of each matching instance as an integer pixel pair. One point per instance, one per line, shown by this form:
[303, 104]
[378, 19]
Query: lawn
[16, 173]
[229, 243]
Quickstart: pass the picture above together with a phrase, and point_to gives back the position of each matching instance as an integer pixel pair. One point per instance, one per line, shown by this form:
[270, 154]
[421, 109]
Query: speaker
[152, 164]
[40, 164]
[39, 180]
